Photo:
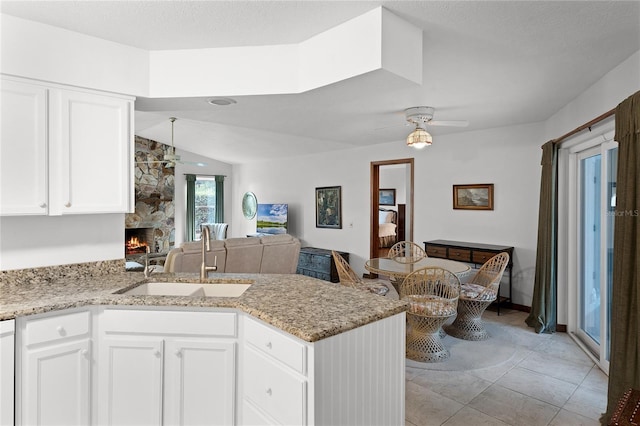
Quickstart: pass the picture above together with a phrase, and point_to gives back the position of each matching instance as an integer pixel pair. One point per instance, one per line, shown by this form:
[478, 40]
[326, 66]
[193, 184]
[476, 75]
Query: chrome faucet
[206, 246]
[147, 269]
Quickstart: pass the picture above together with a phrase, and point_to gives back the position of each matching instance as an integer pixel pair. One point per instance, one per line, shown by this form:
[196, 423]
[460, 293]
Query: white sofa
[271, 254]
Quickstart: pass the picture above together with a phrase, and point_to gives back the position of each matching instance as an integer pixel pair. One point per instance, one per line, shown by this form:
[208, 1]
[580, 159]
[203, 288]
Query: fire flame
[134, 245]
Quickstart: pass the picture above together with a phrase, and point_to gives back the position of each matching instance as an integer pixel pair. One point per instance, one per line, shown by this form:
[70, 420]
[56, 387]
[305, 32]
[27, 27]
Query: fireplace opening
[136, 240]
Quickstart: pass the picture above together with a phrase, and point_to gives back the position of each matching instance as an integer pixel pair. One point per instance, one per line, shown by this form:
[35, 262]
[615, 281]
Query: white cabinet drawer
[275, 390]
[48, 329]
[276, 344]
[185, 323]
[252, 415]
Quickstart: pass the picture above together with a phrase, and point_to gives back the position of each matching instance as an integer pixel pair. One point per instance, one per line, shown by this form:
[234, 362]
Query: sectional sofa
[272, 254]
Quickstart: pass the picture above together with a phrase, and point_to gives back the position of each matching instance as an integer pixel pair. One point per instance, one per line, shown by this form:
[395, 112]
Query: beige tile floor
[549, 381]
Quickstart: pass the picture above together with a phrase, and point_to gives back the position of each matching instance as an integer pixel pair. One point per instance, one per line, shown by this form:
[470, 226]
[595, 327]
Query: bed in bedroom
[387, 227]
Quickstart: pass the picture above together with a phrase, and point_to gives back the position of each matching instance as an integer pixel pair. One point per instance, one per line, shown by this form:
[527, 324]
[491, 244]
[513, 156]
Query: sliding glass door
[595, 189]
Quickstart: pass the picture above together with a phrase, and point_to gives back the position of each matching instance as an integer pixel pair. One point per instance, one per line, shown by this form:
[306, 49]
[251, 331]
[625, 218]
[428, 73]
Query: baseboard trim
[514, 306]
[517, 307]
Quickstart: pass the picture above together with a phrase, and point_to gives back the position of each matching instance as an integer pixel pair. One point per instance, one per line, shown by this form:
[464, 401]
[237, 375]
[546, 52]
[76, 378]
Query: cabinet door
[130, 382]
[56, 385]
[23, 149]
[7, 368]
[199, 382]
[93, 152]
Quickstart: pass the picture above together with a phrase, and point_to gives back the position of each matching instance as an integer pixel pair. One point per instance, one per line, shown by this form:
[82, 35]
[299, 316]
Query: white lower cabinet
[53, 378]
[166, 367]
[117, 365]
[274, 376]
[272, 389]
[199, 388]
[356, 377]
[7, 368]
[130, 381]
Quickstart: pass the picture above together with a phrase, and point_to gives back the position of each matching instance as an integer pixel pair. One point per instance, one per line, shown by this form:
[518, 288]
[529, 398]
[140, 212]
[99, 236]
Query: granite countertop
[305, 307]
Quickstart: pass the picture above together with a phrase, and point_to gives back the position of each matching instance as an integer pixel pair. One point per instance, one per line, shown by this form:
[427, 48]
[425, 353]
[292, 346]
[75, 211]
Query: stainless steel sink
[189, 289]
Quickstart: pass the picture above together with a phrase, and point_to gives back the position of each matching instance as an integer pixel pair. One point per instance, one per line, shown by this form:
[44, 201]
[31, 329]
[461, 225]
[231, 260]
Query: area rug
[470, 355]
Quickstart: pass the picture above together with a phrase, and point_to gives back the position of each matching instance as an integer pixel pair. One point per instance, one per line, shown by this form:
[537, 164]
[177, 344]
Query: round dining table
[397, 269]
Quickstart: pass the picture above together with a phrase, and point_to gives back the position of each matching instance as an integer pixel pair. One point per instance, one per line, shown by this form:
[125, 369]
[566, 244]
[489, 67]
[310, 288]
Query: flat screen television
[272, 218]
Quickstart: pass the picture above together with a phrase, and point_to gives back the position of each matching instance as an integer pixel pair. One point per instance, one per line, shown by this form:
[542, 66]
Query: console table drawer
[460, 254]
[437, 252]
[476, 253]
[480, 257]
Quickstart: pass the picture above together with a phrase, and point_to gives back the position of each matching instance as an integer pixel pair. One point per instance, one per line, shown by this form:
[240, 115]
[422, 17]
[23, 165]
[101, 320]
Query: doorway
[593, 186]
[402, 182]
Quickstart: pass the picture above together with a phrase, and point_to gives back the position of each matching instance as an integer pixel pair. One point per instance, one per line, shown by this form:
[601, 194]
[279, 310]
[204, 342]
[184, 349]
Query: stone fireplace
[153, 220]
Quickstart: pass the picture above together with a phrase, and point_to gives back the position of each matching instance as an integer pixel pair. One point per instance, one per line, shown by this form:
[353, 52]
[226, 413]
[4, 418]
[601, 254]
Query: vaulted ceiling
[493, 64]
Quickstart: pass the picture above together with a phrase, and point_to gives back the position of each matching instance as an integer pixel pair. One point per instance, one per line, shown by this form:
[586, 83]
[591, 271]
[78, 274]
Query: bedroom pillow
[386, 217]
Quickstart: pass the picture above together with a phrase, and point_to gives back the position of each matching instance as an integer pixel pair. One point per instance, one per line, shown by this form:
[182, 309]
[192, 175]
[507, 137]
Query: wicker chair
[405, 252]
[432, 294]
[349, 278]
[475, 296]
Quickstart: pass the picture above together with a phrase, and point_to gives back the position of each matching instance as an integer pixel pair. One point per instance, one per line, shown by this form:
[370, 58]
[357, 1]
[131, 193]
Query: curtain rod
[584, 126]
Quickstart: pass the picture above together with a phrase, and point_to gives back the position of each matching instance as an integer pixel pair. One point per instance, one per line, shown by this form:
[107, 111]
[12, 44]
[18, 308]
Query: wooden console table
[475, 253]
[318, 263]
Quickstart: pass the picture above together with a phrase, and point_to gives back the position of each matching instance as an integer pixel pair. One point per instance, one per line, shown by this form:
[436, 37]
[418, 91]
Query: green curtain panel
[624, 362]
[544, 304]
[191, 207]
[220, 199]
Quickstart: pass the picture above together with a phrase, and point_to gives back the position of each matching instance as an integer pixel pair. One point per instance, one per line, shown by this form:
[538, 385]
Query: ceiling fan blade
[393, 126]
[454, 123]
[194, 163]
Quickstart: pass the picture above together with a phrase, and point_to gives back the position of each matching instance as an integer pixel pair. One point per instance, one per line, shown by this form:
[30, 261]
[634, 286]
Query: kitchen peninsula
[290, 350]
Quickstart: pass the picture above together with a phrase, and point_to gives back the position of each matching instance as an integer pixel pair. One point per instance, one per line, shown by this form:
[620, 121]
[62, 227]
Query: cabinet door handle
[43, 205]
[269, 391]
[157, 354]
[61, 331]
[84, 352]
[179, 353]
[67, 204]
[269, 345]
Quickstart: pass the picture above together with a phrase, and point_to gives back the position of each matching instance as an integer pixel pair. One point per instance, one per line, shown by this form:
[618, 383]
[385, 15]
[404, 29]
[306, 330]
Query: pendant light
[419, 138]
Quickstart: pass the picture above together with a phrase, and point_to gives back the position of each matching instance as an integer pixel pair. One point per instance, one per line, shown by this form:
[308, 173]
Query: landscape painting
[473, 197]
[272, 218]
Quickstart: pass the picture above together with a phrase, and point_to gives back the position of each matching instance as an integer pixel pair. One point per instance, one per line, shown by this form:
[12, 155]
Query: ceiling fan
[421, 117]
[170, 158]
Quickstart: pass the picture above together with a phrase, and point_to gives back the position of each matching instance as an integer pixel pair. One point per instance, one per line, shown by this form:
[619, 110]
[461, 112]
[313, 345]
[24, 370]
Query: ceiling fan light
[419, 138]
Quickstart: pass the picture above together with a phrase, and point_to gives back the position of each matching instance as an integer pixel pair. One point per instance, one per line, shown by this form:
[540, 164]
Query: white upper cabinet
[23, 149]
[94, 141]
[64, 151]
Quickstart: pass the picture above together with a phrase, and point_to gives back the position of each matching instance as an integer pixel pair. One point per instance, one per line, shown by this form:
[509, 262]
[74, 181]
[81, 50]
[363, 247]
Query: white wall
[617, 85]
[32, 241]
[507, 157]
[34, 50]
[394, 177]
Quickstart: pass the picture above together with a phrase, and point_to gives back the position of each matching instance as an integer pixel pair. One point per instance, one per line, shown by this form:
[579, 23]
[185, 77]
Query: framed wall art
[473, 197]
[387, 197]
[329, 207]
